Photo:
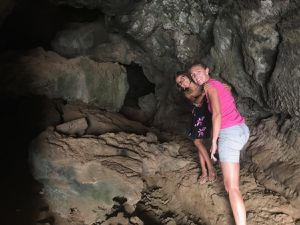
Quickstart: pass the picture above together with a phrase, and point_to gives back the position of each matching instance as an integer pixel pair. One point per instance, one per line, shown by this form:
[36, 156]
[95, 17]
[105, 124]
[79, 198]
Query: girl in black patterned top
[201, 124]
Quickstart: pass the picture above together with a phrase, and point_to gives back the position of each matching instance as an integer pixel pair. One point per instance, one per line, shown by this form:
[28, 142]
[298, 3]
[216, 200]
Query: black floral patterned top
[201, 122]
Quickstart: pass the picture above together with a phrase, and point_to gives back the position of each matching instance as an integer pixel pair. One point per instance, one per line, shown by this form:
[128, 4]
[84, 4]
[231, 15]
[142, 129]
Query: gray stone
[284, 84]
[136, 221]
[74, 127]
[46, 73]
[78, 38]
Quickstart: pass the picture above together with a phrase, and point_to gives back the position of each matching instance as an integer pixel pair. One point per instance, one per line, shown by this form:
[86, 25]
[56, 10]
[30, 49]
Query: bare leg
[202, 152]
[231, 174]
[203, 176]
[202, 164]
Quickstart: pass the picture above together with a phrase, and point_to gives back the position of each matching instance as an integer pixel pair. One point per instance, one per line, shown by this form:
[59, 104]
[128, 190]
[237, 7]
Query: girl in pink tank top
[230, 116]
[229, 136]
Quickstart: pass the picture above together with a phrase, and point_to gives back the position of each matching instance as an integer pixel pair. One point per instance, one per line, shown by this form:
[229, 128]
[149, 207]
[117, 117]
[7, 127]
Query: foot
[212, 177]
[202, 178]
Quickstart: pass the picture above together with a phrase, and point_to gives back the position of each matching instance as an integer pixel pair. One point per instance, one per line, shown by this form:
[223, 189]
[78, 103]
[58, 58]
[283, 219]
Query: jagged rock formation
[247, 45]
[275, 152]
[252, 45]
[86, 176]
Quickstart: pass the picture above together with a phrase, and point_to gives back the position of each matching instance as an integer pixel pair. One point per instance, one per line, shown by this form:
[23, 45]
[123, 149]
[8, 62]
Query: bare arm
[216, 118]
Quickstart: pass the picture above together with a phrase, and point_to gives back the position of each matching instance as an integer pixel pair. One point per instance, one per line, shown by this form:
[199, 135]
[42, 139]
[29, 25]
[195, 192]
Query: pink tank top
[230, 116]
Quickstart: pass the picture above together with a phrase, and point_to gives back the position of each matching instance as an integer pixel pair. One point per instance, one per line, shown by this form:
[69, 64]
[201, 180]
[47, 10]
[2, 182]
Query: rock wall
[253, 46]
[39, 72]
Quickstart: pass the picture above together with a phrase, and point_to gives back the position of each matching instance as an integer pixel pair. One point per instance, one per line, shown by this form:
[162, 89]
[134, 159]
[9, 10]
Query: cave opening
[140, 101]
[139, 85]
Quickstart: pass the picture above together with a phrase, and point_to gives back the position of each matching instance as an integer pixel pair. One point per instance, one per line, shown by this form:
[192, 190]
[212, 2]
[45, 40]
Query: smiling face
[183, 81]
[199, 74]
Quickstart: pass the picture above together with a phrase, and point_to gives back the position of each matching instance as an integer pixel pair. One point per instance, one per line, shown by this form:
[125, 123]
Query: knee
[230, 188]
[198, 142]
[226, 186]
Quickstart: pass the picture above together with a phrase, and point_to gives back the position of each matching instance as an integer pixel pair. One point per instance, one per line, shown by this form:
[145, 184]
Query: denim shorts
[231, 142]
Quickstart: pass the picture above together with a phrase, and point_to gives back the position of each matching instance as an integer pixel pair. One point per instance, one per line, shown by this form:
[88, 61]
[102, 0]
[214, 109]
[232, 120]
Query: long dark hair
[183, 73]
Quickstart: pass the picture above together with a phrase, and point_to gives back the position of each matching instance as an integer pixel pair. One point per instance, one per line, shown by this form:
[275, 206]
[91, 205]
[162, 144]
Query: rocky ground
[142, 174]
[129, 173]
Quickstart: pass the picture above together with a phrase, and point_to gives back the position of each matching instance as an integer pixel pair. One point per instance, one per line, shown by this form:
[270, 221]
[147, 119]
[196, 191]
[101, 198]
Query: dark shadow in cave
[34, 23]
[139, 85]
[146, 218]
[21, 120]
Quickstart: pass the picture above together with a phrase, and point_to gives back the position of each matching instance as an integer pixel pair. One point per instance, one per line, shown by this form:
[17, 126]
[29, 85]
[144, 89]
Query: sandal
[203, 178]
